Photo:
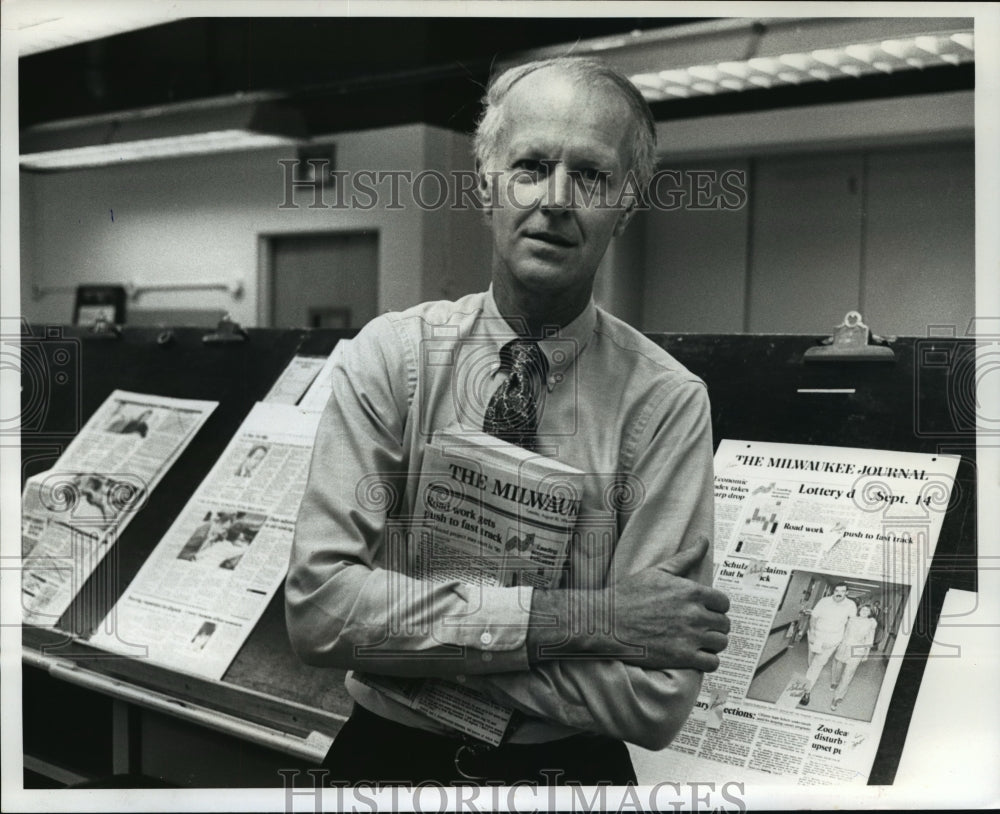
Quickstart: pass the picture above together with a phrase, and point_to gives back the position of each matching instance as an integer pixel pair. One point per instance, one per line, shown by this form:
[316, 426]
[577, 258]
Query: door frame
[265, 263]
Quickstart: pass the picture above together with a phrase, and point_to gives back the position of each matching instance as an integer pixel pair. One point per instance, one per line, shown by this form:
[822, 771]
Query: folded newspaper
[486, 513]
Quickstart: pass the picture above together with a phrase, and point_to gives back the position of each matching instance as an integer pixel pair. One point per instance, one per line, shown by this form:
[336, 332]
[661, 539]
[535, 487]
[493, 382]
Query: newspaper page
[295, 379]
[490, 513]
[486, 513]
[206, 584]
[319, 391]
[72, 514]
[823, 552]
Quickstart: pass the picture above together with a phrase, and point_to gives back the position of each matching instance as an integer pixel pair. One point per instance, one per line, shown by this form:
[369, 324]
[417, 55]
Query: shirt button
[486, 638]
[487, 657]
[460, 679]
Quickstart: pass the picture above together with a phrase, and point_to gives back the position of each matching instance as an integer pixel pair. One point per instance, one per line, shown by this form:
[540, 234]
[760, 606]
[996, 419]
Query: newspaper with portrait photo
[203, 588]
[72, 514]
[823, 552]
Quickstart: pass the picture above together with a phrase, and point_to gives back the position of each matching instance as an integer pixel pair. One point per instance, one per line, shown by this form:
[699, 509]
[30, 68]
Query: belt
[478, 761]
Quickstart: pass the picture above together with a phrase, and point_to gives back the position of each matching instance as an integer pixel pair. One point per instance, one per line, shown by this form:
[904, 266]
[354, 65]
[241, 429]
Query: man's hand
[657, 619]
[675, 621]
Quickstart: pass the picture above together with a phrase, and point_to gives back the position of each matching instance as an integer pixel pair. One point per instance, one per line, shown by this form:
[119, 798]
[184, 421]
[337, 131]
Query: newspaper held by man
[487, 513]
[824, 552]
[73, 514]
[203, 588]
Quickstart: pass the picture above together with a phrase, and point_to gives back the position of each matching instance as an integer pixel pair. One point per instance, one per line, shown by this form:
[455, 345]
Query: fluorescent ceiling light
[195, 128]
[104, 155]
[821, 65]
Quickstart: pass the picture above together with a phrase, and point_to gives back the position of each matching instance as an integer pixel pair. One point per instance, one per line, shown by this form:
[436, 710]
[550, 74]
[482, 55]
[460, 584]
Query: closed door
[324, 280]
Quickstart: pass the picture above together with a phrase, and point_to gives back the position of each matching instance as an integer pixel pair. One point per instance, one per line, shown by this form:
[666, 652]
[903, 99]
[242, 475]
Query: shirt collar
[561, 346]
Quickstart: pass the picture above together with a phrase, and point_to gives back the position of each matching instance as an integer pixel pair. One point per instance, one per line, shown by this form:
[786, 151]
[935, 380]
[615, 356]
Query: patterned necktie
[516, 406]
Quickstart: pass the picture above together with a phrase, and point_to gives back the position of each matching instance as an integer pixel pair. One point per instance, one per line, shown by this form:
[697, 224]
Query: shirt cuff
[495, 622]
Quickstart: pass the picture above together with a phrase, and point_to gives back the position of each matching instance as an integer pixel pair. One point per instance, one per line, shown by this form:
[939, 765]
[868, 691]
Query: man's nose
[558, 193]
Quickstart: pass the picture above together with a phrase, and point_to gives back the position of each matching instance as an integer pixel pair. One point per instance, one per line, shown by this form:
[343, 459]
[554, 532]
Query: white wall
[457, 250]
[848, 125]
[887, 232]
[919, 256]
[695, 265]
[197, 219]
[862, 205]
[620, 277]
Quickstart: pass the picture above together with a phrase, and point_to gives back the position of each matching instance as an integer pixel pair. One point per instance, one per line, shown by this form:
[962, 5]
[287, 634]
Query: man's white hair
[642, 158]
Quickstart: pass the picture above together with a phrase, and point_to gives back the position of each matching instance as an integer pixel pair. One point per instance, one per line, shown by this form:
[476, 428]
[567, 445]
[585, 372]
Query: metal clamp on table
[226, 332]
[852, 341]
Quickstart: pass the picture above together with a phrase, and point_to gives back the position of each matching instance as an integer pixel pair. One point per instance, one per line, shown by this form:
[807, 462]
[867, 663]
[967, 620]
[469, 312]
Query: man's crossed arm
[659, 619]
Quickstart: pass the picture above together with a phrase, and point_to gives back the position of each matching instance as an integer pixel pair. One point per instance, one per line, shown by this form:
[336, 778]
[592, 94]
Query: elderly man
[558, 144]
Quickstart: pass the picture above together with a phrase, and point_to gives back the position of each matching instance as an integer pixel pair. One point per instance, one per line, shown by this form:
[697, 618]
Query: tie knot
[525, 357]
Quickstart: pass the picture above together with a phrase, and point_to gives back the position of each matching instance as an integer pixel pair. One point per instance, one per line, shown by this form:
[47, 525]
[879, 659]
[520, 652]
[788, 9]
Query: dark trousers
[372, 749]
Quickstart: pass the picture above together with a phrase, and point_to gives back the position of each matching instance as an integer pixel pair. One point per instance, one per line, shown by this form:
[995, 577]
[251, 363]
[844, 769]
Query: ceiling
[356, 73]
[359, 72]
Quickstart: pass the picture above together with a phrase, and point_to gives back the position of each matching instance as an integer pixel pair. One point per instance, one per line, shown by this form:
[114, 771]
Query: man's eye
[531, 166]
[592, 174]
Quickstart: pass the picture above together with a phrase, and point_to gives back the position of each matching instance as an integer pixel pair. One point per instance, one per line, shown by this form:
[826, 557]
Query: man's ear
[484, 189]
[623, 219]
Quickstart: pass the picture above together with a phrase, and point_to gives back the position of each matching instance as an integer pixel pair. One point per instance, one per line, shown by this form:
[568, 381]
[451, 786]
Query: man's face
[839, 594]
[560, 143]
